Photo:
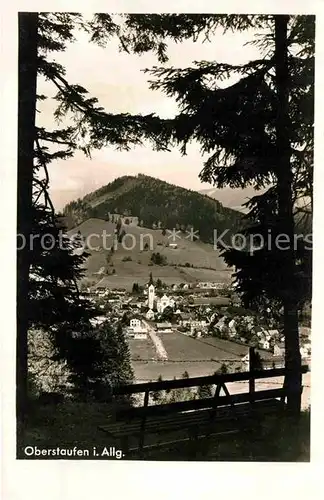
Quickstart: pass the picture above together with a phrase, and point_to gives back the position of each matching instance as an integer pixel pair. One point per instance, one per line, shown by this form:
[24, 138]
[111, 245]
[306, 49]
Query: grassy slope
[196, 253]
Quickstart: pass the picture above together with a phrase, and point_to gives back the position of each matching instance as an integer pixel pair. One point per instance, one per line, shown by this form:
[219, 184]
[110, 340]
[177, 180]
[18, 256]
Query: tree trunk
[27, 68]
[286, 219]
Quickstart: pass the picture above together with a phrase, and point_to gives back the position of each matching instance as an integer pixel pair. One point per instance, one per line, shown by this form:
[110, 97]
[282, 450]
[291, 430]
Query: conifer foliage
[47, 292]
[257, 131]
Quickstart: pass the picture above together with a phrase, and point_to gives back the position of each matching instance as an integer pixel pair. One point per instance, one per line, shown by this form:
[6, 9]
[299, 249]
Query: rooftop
[163, 325]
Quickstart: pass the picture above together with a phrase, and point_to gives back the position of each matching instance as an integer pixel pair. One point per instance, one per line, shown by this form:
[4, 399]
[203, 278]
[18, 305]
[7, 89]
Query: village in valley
[197, 329]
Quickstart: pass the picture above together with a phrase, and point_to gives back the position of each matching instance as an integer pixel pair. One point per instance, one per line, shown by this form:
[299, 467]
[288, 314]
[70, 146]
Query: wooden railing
[200, 381]
[218, 379]
[230, 402]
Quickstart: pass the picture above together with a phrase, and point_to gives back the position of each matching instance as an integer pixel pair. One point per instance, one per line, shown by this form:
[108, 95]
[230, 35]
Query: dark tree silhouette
[27, 72]
[39, 35]
[257, 131]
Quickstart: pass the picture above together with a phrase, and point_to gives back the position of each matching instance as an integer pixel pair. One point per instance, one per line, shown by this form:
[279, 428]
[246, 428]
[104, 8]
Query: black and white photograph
[164, 236]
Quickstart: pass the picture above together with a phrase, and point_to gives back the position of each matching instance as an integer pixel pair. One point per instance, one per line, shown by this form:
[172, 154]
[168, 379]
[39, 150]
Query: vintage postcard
[164, 236]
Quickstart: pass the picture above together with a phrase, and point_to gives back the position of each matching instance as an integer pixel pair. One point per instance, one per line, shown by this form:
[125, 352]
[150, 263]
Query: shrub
[158, 283]
[158, 259]
[223, 368]
[204, 391]
[47, 373]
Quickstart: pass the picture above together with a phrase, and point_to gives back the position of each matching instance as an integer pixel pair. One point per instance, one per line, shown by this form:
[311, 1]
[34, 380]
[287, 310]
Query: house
[232, 324]
[246, 360]
[150, 315]
[98, 320]
[304, 332]
[221, 324]
[259, 333]
[305, 351]
[197, 325]
[163, 303]
[140, 335]
[272, 334]
[232, 328]
[185, 318]
[209, 285]
[173, 245]
[279, 349]
[135, 323]
[137, 330]
[264, 344]
[164, 327]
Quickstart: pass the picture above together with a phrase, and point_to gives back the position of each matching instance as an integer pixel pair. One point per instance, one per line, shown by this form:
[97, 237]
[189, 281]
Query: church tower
[151, 296]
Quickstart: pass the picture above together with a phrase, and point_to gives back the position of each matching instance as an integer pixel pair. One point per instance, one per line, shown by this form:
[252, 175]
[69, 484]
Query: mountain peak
[155, 203]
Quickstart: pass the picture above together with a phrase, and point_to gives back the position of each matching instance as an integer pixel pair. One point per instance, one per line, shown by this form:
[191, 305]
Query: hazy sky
[116, 79]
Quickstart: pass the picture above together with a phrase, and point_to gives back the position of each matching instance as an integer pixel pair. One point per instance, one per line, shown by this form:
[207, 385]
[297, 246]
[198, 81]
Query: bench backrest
[219, 380]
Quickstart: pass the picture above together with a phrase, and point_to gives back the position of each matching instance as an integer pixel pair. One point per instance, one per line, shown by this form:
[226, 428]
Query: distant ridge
[231, 198]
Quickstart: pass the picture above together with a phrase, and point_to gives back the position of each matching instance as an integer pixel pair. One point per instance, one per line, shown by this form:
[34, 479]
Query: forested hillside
[155, 203]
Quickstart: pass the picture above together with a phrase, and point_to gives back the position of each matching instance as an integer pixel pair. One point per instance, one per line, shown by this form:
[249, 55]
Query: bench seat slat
[189, 419]
[155, 425]
[221, 412]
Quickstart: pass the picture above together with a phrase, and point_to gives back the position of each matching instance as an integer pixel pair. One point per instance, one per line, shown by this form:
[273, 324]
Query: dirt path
[158, 344]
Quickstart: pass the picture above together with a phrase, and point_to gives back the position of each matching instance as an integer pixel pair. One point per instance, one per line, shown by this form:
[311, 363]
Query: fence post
[142, 433]
[251, 370]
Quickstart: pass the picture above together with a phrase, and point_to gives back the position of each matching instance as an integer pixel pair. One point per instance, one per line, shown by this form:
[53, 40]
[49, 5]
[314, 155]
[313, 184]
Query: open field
[185, 354]
[151, 370]
[142, 349]
[233, 349]
[181, 347]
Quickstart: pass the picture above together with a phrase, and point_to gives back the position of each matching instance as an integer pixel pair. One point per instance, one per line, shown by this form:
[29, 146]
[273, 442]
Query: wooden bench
[151, 426]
